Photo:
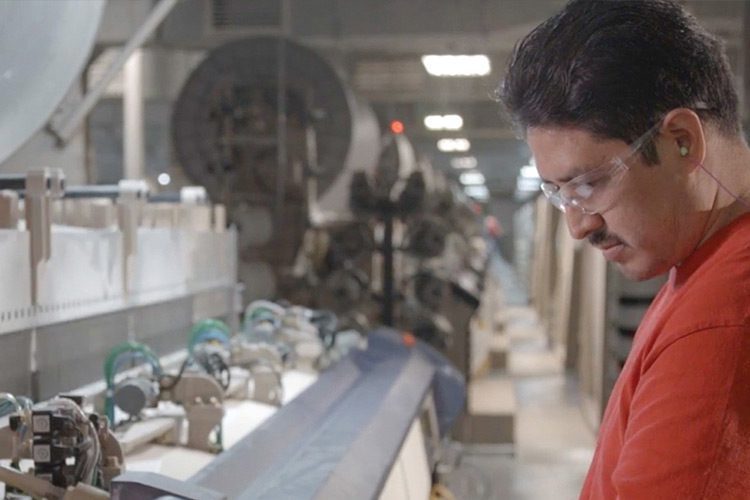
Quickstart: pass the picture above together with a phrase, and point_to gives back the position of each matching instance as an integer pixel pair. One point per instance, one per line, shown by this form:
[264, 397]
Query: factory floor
[553, 444]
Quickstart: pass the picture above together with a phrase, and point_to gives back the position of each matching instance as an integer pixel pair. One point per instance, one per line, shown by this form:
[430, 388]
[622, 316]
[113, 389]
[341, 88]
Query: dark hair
[614, 67]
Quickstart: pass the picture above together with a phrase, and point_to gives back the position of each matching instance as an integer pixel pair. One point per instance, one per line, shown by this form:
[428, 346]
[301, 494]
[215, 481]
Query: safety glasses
[593, 192]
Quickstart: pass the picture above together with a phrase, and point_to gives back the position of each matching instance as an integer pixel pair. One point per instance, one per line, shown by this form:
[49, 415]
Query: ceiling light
[464, 162]
[164, 179]
[479, 193]
[453, 145]
[457, 65]
[471, 179]
[443, 122]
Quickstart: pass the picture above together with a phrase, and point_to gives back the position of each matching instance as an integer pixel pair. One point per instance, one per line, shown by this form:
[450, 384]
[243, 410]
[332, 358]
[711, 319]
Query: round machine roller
[134, 394]
[46, 46]
[227, 138]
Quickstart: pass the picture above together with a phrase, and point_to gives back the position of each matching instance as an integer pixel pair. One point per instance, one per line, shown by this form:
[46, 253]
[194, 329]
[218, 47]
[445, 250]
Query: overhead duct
[227, 136]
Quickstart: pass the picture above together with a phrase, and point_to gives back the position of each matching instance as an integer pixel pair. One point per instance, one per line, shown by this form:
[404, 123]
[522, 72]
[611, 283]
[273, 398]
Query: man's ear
[685, 139]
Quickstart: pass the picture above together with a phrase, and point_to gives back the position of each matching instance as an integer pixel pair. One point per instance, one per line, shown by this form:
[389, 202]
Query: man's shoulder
[716, 293]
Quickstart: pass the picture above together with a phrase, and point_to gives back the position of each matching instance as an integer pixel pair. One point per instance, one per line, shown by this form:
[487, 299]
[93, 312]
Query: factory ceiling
[377, 47]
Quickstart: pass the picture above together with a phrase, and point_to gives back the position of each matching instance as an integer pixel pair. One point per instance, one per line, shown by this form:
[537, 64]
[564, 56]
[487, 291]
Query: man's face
[645, 227]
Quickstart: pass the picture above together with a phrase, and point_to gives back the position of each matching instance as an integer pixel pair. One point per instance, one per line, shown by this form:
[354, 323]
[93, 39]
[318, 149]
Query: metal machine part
[264, 152]
[347, 243]
[414, 193]
[346, 287]
[429, 289]
[426, 237]
[135, 394]
[64, 447]
[202, 398]
[408, 391]
[248, 354]
[211, 342]
[200, 394]
[116, 360]
[9, 215]
[147, 485]
[267, 385]
[74, 454]
[396, 163]
[432, 327]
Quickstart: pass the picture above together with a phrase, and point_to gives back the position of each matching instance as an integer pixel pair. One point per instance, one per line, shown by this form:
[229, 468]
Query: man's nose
[580, 225]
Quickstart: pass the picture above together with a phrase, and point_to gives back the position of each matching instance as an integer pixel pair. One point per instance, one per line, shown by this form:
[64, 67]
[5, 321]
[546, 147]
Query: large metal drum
[227, 138]
[45, 47]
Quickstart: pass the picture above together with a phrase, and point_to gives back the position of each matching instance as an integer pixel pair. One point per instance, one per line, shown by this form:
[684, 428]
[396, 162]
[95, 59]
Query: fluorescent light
[164, 178]
[443, 122]
[453, 145]
[464, 162]
[529, 172]
[471, 178]
[457, 65]
[480, 193]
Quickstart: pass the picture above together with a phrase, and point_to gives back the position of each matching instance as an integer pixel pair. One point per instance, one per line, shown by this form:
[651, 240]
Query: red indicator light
[397, 127]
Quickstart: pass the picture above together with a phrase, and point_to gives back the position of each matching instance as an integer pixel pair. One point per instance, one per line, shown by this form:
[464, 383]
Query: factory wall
[164, 73]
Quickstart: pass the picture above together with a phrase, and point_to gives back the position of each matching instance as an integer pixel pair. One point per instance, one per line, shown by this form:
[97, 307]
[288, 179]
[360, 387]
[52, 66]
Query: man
[631, 114]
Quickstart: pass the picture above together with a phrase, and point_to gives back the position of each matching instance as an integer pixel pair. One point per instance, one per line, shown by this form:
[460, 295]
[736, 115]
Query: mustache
[599, 237]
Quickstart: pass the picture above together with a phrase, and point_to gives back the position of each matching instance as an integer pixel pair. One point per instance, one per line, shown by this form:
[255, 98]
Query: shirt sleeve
[688, 434]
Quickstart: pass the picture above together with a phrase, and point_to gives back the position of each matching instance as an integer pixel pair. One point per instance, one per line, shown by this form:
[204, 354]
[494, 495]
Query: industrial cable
[214, 365]
[737, 198]
[90, 457]
[209, 332]
[9, 404]
[168, 382]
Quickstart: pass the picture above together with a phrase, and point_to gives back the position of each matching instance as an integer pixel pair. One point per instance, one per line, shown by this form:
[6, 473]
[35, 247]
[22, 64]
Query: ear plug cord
[742, 202]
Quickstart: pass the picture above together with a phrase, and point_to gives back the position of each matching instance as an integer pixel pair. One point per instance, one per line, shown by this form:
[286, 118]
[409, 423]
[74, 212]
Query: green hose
[209, 329]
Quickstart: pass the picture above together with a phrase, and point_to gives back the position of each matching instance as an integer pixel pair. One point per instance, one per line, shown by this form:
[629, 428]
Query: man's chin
[634, 272]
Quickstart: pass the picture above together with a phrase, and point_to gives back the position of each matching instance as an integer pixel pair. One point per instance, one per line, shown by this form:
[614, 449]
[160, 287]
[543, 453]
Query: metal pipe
[282, 155]
[97, 191]
[166, 197]
[13, 182]
[65, 129]
[132, 107]
[387, 251]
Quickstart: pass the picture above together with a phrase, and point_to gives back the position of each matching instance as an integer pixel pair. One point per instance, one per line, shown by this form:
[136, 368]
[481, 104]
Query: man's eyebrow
[575, 172]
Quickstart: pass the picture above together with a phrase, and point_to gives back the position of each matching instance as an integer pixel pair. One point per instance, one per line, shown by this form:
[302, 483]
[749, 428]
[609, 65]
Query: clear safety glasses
[592, 192]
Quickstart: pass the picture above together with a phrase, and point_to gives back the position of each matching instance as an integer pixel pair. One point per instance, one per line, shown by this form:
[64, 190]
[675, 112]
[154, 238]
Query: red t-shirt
[677, 424]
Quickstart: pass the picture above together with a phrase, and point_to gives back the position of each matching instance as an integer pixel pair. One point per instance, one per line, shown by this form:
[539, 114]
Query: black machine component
[226, 118]
[429, 289]
[426, 237]
[348, 243]
[266, 125]
[414, 192]
[134, 394]
[213, 361]
[65, 447]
